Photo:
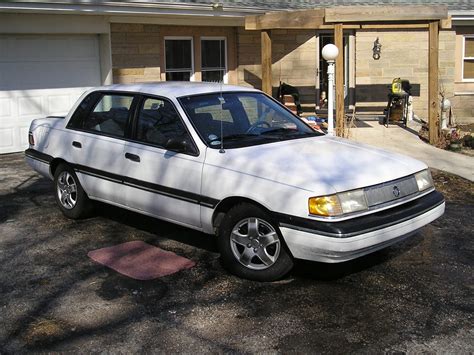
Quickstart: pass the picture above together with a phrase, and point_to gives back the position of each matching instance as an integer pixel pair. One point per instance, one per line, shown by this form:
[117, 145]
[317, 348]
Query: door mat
[140, 261]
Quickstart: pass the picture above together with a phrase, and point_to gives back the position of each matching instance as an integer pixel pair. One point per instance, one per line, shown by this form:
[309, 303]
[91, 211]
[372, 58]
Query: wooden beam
[396, 26]
[433, 109]
[446, 24]
[266, 40]
[338, 41]
[303, 19]
[385, 13]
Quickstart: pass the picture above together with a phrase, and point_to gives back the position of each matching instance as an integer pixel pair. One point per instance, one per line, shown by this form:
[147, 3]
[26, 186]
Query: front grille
[390, 191]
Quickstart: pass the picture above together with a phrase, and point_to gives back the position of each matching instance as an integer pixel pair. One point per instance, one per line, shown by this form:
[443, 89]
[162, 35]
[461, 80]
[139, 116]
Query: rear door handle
[132, 157]
[76, 144]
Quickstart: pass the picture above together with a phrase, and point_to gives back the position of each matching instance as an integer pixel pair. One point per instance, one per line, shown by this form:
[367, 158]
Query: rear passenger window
[110, 115]
[158, 121]
[80, 115]
[107, 115]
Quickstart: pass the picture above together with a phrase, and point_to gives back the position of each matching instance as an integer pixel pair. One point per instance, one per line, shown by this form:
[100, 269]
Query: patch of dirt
[454, 188]
[44, 331]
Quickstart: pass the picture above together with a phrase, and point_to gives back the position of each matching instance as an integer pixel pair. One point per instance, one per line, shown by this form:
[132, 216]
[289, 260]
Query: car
[234, 162]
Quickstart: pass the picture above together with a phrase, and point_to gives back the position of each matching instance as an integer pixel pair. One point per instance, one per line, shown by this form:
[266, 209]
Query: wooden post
[433, 109]
[197, 59]
[338, 41]
[266, 62]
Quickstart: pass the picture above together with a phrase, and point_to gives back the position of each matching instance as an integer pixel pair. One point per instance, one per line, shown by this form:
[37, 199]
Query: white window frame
[192, 76]
[468, 80]
[217, 38]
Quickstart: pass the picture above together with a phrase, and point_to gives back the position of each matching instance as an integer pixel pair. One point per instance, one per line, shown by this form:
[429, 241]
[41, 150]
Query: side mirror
[179, 145]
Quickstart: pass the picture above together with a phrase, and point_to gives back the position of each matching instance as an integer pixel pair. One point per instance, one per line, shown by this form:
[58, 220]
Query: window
[468, 58]
[109, 114]
[179, 59]
[79, 116]
[213, 59]
[158, 121]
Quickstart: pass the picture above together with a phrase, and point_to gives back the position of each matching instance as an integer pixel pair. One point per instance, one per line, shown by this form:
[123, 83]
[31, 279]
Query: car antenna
[221, 100]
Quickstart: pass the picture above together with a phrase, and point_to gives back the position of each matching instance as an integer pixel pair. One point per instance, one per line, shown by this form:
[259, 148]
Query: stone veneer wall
[136, 58]
[463, 108]
[405, 55]
[135, 52]
[293, 57]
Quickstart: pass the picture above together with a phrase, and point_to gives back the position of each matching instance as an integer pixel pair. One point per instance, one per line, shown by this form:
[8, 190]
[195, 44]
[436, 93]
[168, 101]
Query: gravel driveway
[415, 296]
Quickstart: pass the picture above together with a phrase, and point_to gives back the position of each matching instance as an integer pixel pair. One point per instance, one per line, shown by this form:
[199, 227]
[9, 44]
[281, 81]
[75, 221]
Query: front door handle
[76, 144]
[132, 157]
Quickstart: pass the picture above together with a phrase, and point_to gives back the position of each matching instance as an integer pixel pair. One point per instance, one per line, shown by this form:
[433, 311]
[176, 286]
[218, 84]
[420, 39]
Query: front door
[161, 181]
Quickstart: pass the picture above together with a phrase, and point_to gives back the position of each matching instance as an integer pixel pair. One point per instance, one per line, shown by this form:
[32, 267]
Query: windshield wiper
[238, 136]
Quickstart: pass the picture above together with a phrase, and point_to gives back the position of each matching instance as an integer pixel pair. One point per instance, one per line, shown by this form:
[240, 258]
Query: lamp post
[330, 53]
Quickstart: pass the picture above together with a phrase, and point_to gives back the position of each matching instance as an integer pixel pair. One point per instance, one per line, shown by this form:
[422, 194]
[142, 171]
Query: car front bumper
[341, 241]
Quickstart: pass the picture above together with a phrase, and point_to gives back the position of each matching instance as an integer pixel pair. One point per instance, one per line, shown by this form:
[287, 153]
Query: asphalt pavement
[416, 296]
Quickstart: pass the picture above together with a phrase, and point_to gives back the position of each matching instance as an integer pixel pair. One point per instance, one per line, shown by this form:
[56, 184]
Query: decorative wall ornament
[377, 49]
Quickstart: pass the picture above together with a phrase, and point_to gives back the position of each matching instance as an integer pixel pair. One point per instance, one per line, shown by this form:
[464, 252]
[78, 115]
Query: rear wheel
[70, 197]
[251, 245]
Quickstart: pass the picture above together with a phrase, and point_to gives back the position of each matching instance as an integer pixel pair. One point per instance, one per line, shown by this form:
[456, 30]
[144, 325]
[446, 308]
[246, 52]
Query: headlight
[325, 206]
[353, 201]
[334, 205]
[424, 180]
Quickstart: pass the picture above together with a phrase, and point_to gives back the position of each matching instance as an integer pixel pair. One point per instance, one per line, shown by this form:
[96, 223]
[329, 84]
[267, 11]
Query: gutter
[130, 8]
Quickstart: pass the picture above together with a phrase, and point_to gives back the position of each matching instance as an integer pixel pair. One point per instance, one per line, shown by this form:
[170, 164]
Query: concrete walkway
[405, 140]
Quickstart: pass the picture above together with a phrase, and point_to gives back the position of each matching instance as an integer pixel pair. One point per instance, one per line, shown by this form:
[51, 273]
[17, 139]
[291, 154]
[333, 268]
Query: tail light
[31, 139]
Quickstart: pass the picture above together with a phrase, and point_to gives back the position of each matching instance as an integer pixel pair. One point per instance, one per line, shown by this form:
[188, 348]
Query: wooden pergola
[431, 18]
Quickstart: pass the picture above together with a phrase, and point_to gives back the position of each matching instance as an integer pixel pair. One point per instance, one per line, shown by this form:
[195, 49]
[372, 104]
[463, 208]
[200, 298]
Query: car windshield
[242, 119]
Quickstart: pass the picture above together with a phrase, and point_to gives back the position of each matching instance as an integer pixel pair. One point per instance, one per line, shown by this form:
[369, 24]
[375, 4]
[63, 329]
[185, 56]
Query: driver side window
[158, 122]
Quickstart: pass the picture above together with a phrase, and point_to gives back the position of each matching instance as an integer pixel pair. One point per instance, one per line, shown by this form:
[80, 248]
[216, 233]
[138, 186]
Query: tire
[260, 255]
[69, 194]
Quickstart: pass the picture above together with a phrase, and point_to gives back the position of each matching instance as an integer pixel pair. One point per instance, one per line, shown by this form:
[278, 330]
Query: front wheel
[70, 197]
[251, 245]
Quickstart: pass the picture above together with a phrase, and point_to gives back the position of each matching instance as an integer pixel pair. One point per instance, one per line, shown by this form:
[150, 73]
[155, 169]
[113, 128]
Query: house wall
[137, 56]
[293, 56]
[135, 52]
[405, 55]
[138, 50]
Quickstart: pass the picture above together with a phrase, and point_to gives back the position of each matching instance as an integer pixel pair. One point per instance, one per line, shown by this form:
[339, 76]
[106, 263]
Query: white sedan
[234, 162]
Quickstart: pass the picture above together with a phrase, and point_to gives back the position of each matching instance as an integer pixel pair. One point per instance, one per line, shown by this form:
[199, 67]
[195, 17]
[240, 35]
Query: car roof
[173, 89]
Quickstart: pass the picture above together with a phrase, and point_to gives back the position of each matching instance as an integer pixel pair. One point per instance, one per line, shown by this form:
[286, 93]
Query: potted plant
[455, 141]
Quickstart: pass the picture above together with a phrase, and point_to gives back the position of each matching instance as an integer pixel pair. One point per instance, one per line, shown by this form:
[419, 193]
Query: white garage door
[40, 76]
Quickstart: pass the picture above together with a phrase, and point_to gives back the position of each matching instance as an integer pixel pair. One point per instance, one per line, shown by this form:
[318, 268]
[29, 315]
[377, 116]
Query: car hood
[322, 165]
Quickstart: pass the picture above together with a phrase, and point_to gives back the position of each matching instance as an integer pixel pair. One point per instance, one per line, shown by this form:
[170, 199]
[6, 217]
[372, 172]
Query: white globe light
[330, 52]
